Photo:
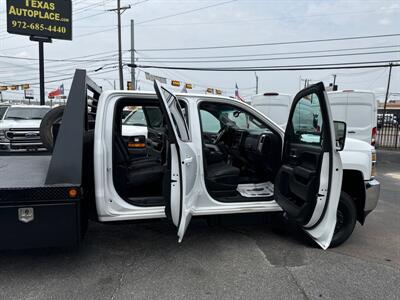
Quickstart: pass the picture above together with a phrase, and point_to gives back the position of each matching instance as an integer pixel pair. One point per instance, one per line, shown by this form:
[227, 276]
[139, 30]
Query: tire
[346, 220]
[54, 116]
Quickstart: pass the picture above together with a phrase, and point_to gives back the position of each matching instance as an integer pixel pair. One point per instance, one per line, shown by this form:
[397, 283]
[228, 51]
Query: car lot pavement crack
[121, 279]
[294, 279]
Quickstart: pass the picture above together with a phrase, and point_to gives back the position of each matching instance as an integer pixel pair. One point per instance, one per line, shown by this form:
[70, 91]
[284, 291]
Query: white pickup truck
[19, 127]
[205, 156]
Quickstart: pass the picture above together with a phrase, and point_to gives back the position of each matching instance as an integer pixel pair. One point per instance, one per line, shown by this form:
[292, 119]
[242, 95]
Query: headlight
[2, 135]
[373, 163]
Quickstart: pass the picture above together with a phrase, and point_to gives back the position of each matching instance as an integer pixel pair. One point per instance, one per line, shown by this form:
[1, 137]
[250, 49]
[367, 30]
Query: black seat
[222, 176]
[145, 174]
[124, 157]
[140, 176]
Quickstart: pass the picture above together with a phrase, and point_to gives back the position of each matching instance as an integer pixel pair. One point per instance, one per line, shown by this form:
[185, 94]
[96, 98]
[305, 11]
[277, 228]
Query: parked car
[206, 156]
[19, 127]
[134, 124]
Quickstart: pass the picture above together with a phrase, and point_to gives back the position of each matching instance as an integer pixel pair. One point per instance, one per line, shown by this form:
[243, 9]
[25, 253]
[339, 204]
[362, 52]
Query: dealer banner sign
[41, 18]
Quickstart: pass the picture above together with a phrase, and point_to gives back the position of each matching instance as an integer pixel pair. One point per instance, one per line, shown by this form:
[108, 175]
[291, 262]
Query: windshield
[26, 113]
[136, 118]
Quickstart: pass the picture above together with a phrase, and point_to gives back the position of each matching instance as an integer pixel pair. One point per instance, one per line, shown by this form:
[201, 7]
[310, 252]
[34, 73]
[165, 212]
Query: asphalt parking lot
[144, 261]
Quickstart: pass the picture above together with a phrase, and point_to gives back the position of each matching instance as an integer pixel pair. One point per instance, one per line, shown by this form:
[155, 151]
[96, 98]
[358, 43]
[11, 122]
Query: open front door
[184, 165]
[308, 184]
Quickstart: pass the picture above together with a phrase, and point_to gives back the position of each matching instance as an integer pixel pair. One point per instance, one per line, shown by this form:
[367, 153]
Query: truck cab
[210, 155]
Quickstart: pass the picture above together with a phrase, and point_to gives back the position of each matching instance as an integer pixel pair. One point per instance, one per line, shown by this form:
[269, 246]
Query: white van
[274, 105]
[359, 109]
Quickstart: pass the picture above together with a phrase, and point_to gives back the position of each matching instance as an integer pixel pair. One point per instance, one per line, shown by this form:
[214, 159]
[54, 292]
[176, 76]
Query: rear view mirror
[340, 133]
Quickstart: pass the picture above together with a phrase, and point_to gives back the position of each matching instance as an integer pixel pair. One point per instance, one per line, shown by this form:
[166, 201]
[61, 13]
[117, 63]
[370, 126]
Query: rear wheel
[346, 220]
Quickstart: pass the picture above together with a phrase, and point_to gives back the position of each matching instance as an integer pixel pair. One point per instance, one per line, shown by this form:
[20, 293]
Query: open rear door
[184, 165]
[308, 184]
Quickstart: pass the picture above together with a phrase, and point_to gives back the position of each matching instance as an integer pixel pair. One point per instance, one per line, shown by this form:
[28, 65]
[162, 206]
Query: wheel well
[353, 185]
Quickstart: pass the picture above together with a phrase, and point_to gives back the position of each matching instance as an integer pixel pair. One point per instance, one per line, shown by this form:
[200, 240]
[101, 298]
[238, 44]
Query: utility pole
[120, 10]
[41, 41]
[387, 96]
[133, 70]
[256, 82]
[41, 73]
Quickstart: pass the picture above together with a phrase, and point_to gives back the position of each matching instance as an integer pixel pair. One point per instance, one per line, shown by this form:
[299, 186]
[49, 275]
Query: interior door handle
[187, 161]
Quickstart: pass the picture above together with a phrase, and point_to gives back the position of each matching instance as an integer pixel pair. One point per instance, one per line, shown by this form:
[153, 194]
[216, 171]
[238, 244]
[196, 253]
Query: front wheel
[346, 220]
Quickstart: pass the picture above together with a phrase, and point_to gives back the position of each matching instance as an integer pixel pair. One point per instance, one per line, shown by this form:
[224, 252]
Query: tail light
[373, 137]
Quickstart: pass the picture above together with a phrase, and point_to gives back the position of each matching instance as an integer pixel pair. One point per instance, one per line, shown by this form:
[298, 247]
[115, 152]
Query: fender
[356, 155]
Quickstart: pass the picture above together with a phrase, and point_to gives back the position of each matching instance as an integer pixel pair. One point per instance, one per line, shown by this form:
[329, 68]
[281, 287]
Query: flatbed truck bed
[23, 171]
[42, 196]
[34, 214]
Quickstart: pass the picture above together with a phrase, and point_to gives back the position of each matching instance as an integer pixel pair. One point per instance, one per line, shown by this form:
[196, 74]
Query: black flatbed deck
[23, 171]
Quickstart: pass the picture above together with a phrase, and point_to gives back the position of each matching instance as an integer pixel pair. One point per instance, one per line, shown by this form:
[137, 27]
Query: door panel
[306, 184]
[184, 167]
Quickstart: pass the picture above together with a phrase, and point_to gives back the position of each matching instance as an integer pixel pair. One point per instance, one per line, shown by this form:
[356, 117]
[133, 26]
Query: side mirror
[340, 133]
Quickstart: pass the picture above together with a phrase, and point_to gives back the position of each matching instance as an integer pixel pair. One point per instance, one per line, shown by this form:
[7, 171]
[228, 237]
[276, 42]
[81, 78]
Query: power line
[256, 20]
[101, 56]
[270, 59]
[275, 53]
[274, 43]
[330, 66]
[54, 60]
[185, 12]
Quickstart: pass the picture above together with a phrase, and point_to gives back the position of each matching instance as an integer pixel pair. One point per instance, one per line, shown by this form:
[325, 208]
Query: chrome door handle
[187, 161]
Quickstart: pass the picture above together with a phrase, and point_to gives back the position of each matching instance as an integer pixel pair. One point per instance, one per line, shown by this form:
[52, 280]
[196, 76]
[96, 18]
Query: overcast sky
[231, 23]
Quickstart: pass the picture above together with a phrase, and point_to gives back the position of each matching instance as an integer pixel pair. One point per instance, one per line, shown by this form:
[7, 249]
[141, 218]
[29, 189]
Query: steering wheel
[221, 134]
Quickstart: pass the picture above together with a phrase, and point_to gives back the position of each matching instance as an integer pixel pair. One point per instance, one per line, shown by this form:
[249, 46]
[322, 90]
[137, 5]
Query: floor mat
[251, 190]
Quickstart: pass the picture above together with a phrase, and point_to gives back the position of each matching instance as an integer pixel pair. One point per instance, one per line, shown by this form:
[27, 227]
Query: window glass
[136, 118]
[178, 118]
[26, 113]
[307, 121]
[244, 120]
[154, 116]
[209, 123]
[215, 115]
